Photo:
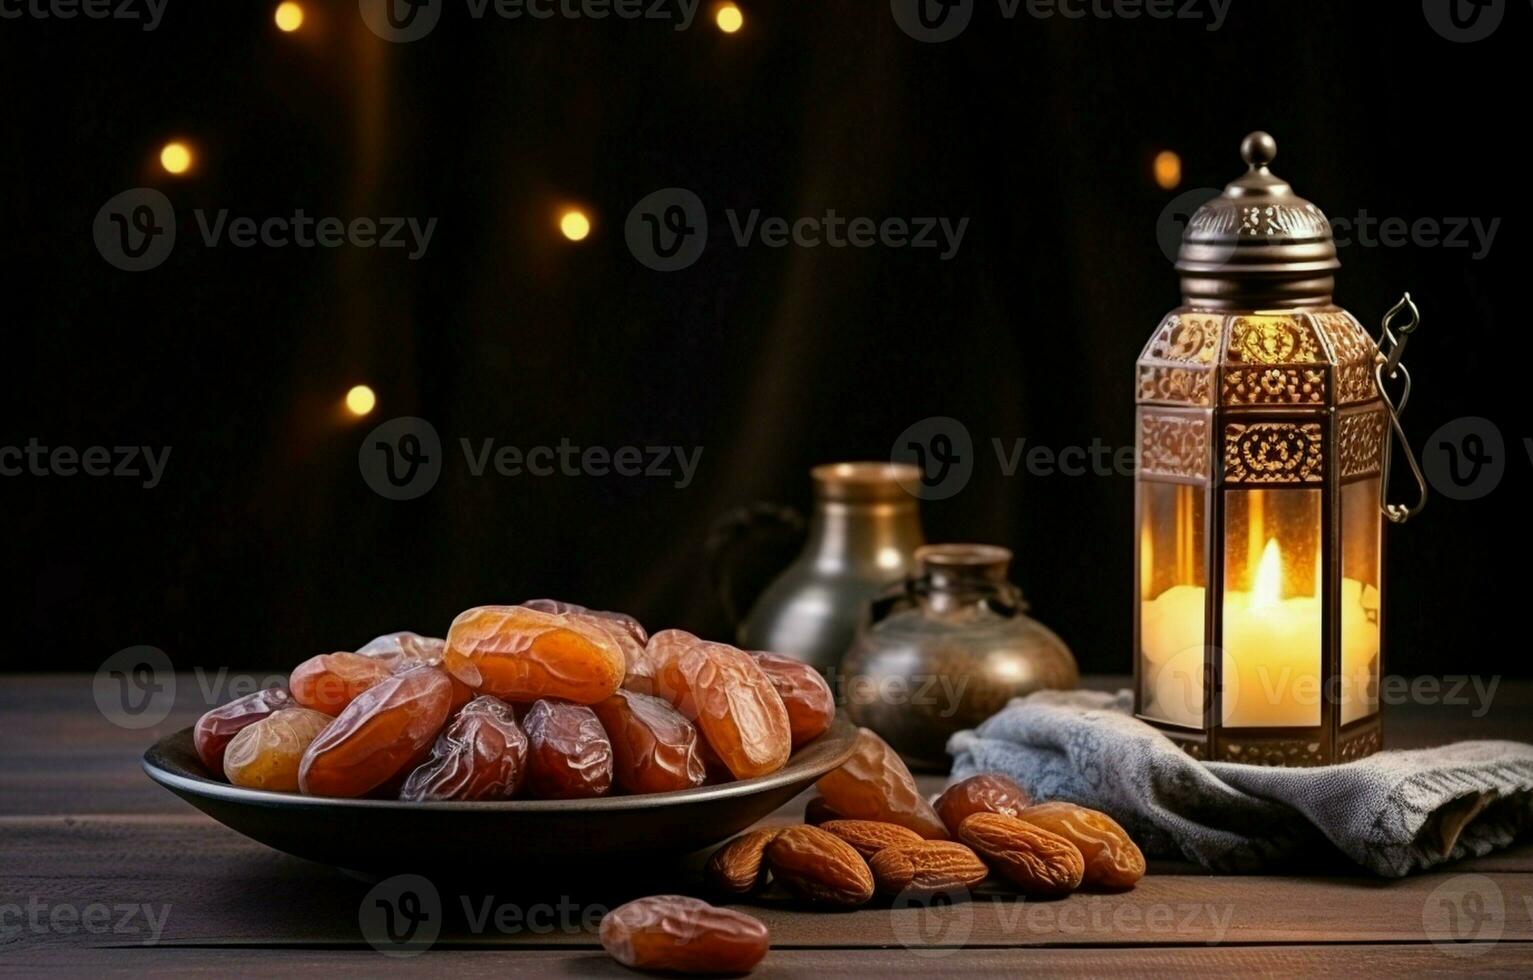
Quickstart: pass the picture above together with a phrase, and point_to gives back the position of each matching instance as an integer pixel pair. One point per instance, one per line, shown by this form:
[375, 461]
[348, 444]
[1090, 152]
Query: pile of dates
[871, 833]
[546, 700]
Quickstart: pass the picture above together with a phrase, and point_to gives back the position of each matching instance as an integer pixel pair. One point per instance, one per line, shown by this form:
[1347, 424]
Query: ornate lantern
[1264, 433]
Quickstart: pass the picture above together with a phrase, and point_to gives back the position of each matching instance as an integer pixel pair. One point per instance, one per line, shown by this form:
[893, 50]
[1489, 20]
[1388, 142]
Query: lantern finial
[1258, 245]
[1258, 150]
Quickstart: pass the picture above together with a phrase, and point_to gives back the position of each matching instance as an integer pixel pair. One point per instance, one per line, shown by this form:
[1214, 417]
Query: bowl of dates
[539, 734]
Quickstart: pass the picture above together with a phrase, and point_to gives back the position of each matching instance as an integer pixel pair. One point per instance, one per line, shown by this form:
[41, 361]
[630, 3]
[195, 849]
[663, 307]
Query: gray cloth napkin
[1394, 813]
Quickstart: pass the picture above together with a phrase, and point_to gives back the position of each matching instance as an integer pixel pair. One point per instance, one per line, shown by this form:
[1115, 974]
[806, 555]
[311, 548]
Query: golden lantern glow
[1168, 170]
[176, 158]
[361, 400]
[289, 16]
[575, 225]
[729, 17]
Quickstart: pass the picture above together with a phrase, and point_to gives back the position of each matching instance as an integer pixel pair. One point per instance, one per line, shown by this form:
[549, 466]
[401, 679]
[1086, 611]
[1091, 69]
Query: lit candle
[1271, 652]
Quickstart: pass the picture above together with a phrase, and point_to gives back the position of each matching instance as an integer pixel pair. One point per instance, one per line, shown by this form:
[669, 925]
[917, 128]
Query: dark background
[263, 545]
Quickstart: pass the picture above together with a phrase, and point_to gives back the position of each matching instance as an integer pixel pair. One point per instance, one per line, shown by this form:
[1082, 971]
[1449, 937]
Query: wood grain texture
[1360, 962]
[81, 827]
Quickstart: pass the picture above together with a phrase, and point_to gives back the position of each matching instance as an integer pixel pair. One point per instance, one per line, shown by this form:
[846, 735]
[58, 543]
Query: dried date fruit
[266, 755]
[927, 867]
[331, 681]
[405, 649]
[654, 748]
[733, 703]
[1112, 858]
[214, 730]
[874, 784]
[462, 694]
[820, 867]
[644, 670]
[717, 771]
[817, 812]
[625, 631]
[482, 755]
[523, 654]
[569, 756]
[385, 732]
[871, 836]
[683, 935]
[988, 792]
[805, 694]
[739, 867]
[1036, 861]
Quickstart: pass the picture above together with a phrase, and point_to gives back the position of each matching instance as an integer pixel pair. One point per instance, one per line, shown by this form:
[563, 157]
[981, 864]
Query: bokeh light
[176, 158]
[361, 400]
[289, 16]
[729, 17]
[575, 225]
[1168, 170]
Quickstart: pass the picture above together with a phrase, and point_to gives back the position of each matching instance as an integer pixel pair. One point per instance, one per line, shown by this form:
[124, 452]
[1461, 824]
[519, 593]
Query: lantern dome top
[1258, 245]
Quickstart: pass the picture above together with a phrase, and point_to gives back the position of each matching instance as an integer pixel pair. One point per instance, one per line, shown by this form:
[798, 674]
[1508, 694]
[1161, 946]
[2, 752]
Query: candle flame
[1269, 578]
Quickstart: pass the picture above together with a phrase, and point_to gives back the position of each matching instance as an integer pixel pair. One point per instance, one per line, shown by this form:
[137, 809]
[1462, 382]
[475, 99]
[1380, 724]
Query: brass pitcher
[863, 535]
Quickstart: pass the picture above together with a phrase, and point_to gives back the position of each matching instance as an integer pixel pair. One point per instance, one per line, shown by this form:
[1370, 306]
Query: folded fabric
[1394, 812]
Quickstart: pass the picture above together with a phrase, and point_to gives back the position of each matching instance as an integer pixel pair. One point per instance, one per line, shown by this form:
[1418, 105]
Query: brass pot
[946, 650]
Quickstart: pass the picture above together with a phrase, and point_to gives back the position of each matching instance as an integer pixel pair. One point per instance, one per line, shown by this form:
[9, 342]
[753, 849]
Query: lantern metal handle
[1391, 347]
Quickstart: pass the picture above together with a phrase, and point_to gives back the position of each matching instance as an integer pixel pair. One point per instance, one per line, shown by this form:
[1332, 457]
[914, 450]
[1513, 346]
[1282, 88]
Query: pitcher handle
[730, 533]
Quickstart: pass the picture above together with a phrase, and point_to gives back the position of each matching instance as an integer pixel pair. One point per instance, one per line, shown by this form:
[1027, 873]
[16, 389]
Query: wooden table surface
[105, 873]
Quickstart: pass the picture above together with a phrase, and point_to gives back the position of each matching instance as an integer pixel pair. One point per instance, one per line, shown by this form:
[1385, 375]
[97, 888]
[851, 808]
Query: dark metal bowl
[465, 839]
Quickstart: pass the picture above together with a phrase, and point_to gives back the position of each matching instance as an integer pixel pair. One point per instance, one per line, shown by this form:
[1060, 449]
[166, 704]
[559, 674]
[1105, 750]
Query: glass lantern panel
[1173, 581]
[1273, 634]
[1362, 530]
